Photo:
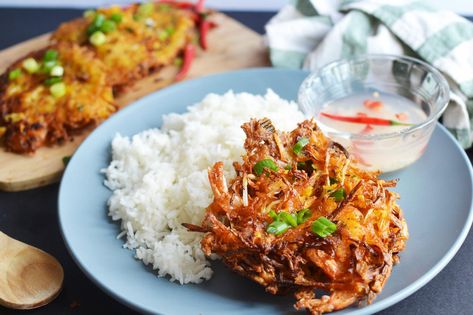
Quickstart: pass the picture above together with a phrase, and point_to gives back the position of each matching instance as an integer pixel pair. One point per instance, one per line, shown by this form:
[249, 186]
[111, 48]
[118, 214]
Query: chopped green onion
[303, 215]
[323, 227]
[144, 10]
[163, 35]
[273, 215]
[116, 17]
[338, 194]
[88, 13]
[301, 143]
[48, 66]
[65, 160]
[108, 26]
[170, 30]
[58, 89]
[178, 62]
[166, 33]
[98, 21]
[50, 55]
[57, 71]
[30, 65]
[52, 81]
[14, 74]
[288, 167]
[333, 180]
[277, 227]
[289, 218]
[96, 24]
[164, 7]
[98, 38]
[261, 165]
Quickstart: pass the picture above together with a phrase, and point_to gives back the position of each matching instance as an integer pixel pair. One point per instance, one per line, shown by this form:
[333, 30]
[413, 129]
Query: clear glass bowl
[404, 76]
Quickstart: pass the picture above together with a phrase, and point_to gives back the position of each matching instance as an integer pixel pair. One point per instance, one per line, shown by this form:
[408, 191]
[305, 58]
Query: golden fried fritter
[143, 38]
[34, 111]
[300, 217]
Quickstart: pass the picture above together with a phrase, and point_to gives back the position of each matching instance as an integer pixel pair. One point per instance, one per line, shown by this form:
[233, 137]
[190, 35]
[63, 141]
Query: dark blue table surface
[31, 216]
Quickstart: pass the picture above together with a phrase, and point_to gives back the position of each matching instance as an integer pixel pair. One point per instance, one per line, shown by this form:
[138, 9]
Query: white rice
[159, 177]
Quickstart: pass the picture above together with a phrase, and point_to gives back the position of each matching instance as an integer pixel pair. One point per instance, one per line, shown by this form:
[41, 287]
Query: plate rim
[367, 309]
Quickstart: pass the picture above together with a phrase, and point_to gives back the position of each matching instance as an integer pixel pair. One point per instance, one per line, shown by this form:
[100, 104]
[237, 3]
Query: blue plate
[436, 195]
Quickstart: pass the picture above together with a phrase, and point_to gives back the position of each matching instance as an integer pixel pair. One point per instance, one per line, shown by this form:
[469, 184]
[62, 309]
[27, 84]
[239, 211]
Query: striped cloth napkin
[310, 33]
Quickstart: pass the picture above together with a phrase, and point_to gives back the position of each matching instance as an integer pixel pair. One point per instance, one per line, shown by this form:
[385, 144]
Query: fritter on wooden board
[49, 95]
[131, 41]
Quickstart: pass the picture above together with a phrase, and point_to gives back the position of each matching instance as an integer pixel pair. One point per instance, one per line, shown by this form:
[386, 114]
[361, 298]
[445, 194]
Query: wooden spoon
[29, 277]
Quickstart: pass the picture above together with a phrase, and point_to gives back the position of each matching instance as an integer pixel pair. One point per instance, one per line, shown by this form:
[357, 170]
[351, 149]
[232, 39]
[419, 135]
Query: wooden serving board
[231, 46]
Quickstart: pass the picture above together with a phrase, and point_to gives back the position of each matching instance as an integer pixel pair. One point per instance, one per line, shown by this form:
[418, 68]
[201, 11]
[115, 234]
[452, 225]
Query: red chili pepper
[367, 129]
[189, 54]
[203, 29]
[212, 25]
[199, 6]
[373, 104]
[402, 116]
[365, 120]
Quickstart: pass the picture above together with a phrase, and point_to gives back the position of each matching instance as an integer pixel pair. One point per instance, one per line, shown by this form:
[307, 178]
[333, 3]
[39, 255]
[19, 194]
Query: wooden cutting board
[231, 46]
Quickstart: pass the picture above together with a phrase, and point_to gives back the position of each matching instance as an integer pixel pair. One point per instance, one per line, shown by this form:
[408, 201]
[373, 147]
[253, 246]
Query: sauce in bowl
[375, 114]
[381, 108]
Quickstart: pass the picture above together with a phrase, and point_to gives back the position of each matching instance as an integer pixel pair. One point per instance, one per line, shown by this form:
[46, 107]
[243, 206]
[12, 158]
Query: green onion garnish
[96, 24]
[303, 215]
[338, 194]
[48, 66]
[170, 30]
[98, 20]
[108, 26]
[178, 62]
[116, 17]
[288, 167]
[163, 35]
[323, 227]
[289, 218]
[30, 65]
[261, 165]
[144, 10]
[88, 13]
[301, 143]
[164, 7]
[57, 71]
[273, 215]
[98, 38]
[277, 227]
[333, 180]
[14, 74]
[50, 55]
[58, 89]
[52, 81]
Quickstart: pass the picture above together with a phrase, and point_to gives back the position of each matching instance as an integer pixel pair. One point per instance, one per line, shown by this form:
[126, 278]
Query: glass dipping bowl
[404, 76]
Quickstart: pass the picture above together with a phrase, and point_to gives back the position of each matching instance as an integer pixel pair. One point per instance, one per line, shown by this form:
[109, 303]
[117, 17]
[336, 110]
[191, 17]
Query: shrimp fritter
[301, 217]
[142, 38]
[37, 108]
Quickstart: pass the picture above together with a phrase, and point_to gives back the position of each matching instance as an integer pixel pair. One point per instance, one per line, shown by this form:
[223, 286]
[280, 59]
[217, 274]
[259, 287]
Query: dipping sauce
[374, 114]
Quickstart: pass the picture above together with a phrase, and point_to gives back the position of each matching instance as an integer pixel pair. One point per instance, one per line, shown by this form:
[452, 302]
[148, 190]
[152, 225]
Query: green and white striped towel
[310, 33]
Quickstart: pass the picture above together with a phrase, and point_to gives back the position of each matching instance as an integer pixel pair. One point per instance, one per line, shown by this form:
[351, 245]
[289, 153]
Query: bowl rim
[438, 76]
